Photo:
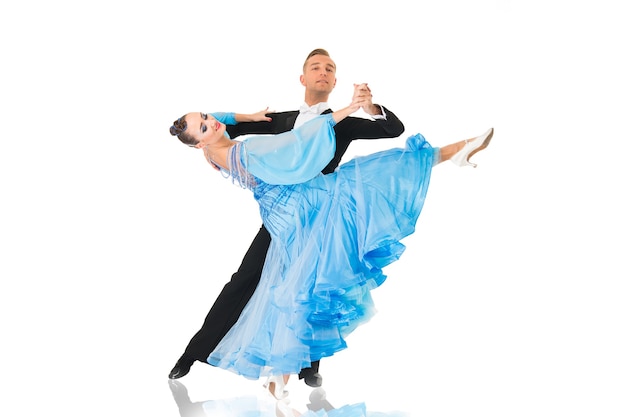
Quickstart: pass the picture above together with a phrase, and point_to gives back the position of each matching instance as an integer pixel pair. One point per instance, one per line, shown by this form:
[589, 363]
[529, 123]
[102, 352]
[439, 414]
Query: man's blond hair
[318, 51]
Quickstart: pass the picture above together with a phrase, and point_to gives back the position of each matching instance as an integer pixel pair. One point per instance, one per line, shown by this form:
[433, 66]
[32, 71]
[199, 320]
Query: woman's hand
[259, 116]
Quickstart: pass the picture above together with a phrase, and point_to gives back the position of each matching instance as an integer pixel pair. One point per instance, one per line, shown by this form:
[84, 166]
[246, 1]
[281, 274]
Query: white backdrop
[115, 239]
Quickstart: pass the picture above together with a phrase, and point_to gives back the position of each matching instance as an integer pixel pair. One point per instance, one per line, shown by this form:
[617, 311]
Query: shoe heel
[279, 391]
[461, 158]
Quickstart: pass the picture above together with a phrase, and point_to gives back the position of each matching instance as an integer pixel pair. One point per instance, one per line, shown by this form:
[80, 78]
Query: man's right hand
[363, 96]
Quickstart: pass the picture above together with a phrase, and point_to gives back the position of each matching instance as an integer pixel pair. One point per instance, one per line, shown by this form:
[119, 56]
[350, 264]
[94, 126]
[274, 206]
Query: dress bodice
[273, 167]
[291, 157]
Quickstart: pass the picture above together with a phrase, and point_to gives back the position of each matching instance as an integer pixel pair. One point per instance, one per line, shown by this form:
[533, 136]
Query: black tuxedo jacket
[346, 131]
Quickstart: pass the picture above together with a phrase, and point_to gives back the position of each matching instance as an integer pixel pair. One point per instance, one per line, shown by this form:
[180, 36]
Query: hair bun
[178, 127]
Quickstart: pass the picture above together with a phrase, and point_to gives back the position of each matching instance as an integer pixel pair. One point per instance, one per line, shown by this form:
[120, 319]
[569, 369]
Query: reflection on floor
[258, 406]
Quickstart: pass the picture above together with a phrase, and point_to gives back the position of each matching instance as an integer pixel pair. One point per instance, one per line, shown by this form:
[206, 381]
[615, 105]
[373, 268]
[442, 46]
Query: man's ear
[302, 80]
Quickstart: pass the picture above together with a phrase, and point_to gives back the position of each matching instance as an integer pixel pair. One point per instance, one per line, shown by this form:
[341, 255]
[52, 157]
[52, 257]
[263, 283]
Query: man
[318, 78]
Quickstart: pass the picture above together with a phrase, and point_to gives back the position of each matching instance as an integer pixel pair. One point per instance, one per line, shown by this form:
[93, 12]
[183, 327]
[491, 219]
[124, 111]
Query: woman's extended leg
[460, 152]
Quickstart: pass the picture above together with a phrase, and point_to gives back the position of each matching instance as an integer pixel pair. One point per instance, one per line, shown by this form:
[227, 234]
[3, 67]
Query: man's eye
[203, 129]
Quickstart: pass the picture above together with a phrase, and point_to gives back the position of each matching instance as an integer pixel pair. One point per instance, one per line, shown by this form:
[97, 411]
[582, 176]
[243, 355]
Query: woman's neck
[217, 153]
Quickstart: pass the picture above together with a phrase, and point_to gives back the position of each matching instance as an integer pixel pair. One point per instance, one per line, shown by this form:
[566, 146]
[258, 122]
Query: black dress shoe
[313, 380]
[181, 368]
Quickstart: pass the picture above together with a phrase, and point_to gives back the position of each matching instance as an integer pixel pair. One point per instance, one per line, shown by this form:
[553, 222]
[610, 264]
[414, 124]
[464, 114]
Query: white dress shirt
[309, 112]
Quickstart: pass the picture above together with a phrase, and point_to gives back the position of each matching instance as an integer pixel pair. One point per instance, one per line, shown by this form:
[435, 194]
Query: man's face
[319, 74]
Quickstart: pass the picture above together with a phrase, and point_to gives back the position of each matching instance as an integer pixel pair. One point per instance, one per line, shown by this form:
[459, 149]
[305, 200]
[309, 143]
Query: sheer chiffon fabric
[332, 235]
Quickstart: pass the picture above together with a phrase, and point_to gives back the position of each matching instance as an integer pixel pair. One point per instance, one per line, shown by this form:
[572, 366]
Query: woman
[331, 234]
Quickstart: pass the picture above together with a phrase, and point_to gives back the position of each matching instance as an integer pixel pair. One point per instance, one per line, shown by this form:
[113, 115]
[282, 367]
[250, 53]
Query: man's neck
[312, 99]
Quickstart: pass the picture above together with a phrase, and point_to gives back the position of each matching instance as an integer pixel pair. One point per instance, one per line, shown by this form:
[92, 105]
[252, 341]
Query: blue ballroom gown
[331, 237]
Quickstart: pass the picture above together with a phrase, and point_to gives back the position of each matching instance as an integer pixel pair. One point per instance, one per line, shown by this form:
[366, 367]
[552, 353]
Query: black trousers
[231, 301]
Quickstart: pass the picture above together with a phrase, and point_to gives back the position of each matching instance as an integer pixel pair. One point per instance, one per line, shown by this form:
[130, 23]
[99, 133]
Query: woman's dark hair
[179, 128]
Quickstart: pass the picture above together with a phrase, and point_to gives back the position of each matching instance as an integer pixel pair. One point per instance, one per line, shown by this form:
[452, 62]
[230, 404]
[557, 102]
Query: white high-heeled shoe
[461, 158]
[277, 390]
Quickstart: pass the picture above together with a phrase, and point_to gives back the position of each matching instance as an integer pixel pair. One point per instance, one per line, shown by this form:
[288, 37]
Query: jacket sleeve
[359, 128]
[281, 122]
[352, 128]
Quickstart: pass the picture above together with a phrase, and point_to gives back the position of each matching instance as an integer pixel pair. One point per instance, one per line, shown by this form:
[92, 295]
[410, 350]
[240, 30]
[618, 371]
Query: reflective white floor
[299, 401]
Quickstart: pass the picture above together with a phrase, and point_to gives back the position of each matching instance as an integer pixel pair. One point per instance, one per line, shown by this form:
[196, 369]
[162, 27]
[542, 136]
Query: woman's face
[204, 128]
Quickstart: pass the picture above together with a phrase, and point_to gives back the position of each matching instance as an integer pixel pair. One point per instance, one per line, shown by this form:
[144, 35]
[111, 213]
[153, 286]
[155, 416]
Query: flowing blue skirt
[331, 238]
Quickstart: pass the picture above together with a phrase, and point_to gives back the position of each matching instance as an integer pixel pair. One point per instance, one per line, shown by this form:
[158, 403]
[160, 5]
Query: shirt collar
[318, 108]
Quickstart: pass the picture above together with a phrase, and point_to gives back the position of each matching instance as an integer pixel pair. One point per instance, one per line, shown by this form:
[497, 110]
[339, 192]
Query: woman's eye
[203, 129]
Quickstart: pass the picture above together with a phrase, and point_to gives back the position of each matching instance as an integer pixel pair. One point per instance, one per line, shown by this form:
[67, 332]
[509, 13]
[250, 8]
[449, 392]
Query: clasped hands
[361, 98]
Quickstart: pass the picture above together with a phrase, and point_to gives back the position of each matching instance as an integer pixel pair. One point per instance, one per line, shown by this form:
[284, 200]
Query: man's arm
[352, 128]
[281, 122]
[385, 124]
